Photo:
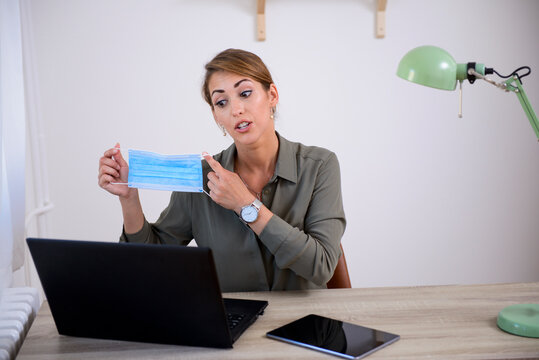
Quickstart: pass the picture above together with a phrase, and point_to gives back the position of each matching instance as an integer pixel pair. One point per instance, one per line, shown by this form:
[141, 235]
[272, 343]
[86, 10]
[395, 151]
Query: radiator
[18, 309]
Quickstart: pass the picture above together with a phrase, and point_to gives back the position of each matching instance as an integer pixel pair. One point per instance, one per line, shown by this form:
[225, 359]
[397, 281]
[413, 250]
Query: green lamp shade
[429, 66]
[520, 319]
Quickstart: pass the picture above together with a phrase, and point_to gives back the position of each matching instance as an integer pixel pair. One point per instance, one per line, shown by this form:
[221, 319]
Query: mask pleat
[165, 172]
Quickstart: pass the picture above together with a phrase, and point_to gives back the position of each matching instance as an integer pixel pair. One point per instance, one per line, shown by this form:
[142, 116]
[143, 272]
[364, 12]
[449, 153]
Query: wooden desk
[435, 322]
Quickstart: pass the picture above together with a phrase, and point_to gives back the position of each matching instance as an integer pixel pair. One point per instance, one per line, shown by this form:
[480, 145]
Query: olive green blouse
[299, 247]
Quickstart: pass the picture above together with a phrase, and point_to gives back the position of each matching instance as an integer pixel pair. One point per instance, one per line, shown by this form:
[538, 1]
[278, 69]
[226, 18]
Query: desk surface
[434, 322]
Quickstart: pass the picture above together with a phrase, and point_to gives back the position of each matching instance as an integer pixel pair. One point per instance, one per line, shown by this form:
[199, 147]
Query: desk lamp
[434, 67]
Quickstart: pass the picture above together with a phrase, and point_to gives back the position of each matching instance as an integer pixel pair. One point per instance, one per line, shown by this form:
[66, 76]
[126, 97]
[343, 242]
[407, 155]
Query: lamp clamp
[473, 68]
[470, 70]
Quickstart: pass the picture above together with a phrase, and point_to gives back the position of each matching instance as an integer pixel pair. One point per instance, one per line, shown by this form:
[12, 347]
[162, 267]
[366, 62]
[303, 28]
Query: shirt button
[266, 192]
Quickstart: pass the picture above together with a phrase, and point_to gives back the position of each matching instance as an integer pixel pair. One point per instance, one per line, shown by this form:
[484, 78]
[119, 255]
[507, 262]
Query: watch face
[249, 214]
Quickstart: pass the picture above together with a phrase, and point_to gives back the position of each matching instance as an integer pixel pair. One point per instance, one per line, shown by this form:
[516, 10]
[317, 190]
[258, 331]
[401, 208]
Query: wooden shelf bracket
[381, 19]
[261, 20]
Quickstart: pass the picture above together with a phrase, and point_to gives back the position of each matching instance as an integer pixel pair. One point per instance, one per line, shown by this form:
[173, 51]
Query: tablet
[334, 337]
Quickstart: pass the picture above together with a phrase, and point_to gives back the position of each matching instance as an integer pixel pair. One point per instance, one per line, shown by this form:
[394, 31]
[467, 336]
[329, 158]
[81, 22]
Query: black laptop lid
[136, 292]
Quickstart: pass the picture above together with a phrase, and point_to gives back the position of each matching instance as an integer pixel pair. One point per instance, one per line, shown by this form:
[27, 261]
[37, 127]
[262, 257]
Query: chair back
[341, 278]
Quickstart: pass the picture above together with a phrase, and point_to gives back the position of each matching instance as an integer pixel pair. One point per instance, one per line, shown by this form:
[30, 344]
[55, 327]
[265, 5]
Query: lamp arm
[515, 85]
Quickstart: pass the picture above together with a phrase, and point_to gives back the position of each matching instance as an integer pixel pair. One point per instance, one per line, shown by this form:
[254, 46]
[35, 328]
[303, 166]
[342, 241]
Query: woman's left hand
[226, 187]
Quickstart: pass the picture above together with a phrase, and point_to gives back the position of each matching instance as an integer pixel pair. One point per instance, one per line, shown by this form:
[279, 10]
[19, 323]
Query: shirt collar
[286, 166]
[227, 160]
[286, 160]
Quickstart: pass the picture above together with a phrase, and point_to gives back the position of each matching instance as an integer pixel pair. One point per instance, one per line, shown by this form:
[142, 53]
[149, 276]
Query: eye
[246, 93]
[220, 103]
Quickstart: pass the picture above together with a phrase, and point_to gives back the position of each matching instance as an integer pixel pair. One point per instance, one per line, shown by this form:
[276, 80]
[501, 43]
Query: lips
[242, 125]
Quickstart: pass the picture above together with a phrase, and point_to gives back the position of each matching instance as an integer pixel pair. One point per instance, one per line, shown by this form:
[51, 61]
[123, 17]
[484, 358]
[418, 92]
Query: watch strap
[257, 204]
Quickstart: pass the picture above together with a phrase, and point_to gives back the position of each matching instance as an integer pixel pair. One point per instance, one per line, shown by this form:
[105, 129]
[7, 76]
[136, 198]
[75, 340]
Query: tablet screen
[333, 336]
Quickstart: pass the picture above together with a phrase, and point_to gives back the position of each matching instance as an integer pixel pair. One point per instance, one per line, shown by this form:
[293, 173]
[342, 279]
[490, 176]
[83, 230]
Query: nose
[237, 107]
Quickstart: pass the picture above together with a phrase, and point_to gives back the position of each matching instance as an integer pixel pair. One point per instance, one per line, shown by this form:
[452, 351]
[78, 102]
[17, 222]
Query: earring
[272, 116]
[223, 129]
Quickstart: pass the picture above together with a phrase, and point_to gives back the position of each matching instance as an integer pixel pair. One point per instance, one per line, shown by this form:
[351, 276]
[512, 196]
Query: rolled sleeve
[142, 236]
[275, 235]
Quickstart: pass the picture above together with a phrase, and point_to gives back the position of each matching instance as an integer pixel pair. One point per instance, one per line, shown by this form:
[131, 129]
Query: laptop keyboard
[234, 319]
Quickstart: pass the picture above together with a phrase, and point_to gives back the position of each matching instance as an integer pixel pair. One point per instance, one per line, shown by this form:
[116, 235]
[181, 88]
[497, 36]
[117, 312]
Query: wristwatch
[249, 213]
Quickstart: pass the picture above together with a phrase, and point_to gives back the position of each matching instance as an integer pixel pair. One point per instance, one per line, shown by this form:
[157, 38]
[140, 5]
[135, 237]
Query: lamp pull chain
[460, 98]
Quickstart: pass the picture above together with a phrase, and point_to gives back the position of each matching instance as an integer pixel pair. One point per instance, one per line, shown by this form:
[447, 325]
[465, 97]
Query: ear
[273, 95]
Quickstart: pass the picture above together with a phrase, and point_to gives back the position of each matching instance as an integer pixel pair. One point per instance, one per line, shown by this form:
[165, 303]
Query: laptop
[139, 292]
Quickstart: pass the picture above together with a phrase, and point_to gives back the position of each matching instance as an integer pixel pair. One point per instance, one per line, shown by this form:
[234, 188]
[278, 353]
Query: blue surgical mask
[149, 170]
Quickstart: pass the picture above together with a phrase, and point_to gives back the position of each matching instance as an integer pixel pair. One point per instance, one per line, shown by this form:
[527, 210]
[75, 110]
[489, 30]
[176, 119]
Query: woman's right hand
[114, 169]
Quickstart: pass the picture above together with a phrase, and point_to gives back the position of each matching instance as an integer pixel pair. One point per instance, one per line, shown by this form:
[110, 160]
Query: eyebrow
[235, 86]
[239, 82]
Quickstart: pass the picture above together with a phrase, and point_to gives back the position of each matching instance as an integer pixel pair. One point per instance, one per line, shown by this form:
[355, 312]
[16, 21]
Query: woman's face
[242, 106]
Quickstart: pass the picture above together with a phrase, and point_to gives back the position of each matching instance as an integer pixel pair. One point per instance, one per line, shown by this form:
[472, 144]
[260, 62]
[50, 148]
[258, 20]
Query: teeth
[243, 125]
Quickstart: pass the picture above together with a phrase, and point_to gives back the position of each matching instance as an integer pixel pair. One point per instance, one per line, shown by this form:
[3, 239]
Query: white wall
[430, 198]
[12, 146]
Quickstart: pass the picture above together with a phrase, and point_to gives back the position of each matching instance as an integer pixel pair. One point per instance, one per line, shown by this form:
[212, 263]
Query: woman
[274, 217]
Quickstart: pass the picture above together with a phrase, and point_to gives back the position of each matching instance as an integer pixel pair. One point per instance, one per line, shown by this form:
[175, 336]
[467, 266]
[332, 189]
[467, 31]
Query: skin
[243, 107]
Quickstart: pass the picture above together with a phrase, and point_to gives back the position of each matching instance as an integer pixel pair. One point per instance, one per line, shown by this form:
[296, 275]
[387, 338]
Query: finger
[214, 191]
[105, 180]
[109, 170]
[211, 186]
[118, 155]
[104, 161]
[213, 177]
[212, 162]
[111, 152]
